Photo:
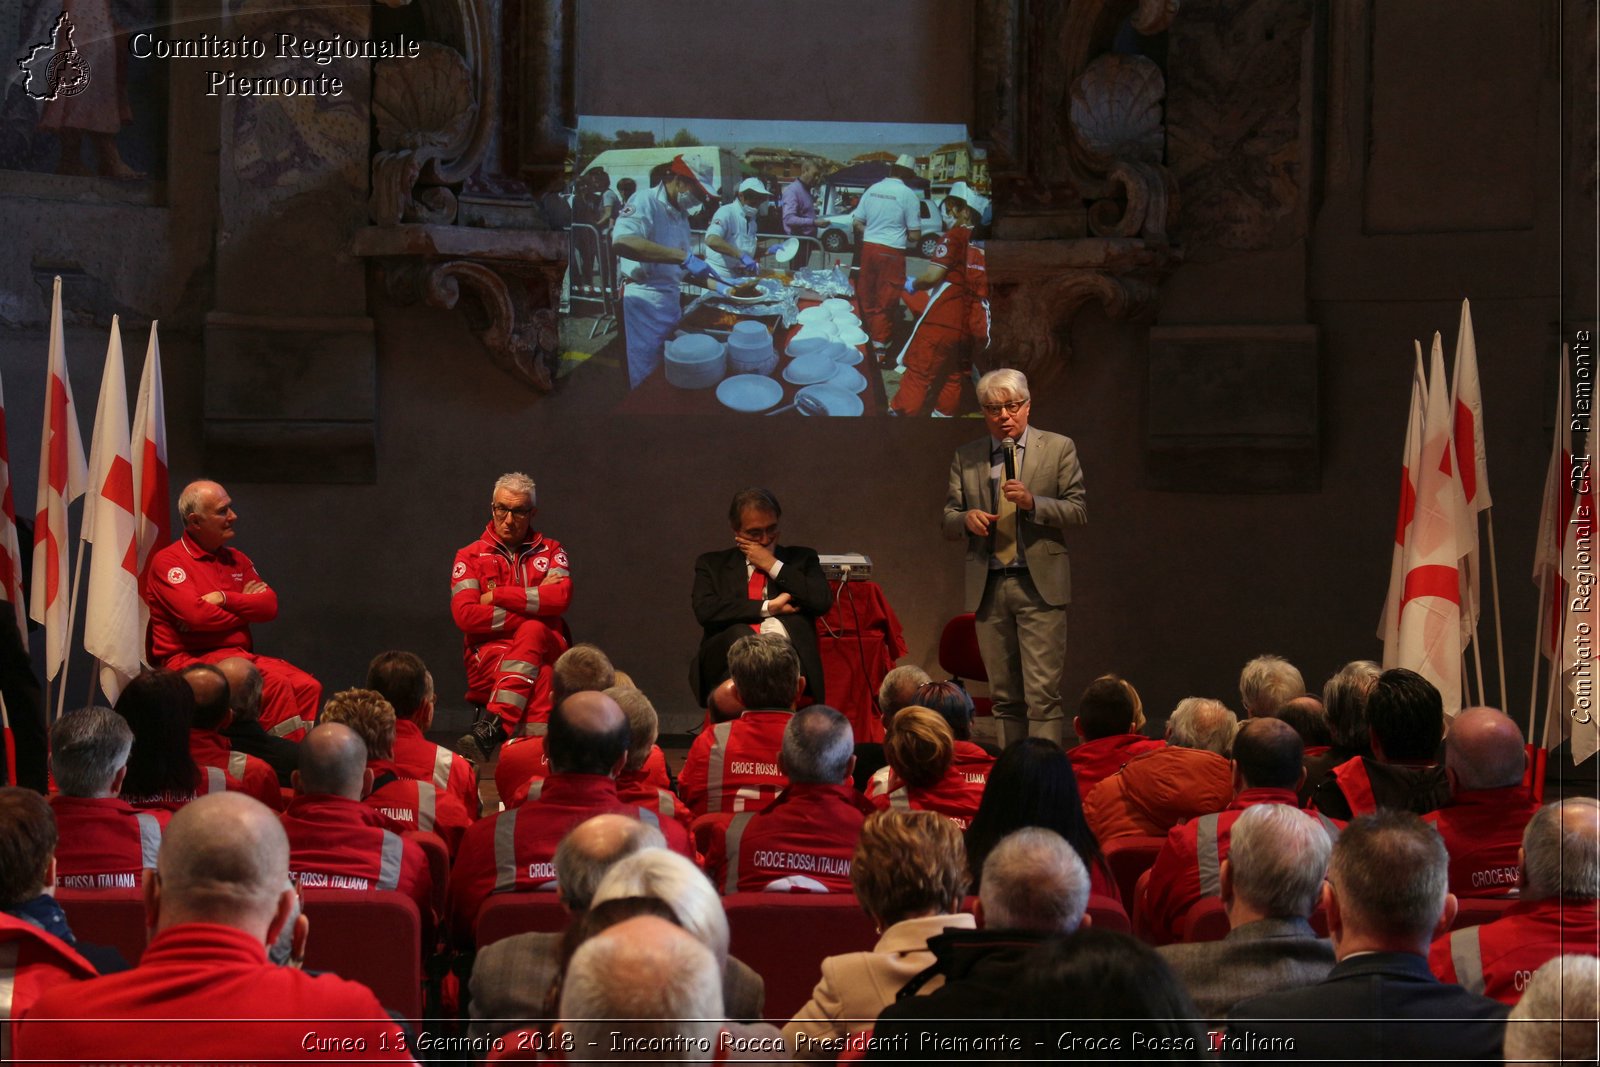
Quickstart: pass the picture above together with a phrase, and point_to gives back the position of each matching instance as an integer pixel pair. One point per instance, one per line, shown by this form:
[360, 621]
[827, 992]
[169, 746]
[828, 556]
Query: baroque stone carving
[424, 110]
[1116, 109]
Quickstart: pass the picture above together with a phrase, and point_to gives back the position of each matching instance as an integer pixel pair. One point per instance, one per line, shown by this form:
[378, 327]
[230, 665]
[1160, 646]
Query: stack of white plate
[837, 304]
[847, 378]
[695, 361]
[815, 316]
[815, 333]
[805, 346]
[852, 336]
[750, 349]
[843, 317]
[840, 352]
[808, 370]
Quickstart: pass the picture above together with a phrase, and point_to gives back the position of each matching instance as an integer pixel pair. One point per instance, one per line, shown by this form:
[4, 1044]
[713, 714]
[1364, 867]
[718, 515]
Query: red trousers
[289, 696]
[513, 675]
[879, 284]
[933, 367]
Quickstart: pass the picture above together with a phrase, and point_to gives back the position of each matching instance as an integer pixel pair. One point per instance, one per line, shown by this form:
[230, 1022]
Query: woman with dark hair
[954, 705]
[1101, 994]
[923, 775]
[159, 707]
[1032, 784]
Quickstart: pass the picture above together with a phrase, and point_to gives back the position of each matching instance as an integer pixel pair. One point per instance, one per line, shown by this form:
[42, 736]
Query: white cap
[906, 161]
[969, 196]
[753, 185]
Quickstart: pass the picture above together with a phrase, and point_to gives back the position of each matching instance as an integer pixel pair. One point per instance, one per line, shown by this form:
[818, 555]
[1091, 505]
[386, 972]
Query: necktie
[757, 590]
[1005, 527]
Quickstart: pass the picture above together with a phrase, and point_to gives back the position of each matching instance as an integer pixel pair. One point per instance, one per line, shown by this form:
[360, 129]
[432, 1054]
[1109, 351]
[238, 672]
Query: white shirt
[730, 224]
[769, 622]
[647, 214]
[890, 211]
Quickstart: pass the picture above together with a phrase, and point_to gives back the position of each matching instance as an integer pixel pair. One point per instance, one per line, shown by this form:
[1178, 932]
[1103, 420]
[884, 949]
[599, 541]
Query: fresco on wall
[832, 269]
[74, 104]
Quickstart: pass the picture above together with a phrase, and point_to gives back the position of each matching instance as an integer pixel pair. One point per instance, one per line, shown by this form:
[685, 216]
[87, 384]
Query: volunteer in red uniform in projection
[506, 590]
[955, 323]
[204, 595]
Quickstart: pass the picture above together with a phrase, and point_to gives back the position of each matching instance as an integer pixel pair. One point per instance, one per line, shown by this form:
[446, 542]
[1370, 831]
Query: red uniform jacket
[955, 796]
[522, 760]
[333, 844]
[210, 780]
[1495, 959]
[515, 850]
[417, 757]
[211, 748]
[733, 766]
[104, 841]
[180, 621]
[1482, 829]
[417, 805]
[1183, 873]
[486, 565]
[252, 1011]
[639, 787]
[801, 842]
[1095, 761]
[1157, 790]
[32, 962]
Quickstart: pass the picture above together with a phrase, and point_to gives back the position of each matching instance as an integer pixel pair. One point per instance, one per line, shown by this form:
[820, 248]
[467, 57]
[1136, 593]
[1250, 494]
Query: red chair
[112, 917]
[786, 936]
[373, 937]
[1207, 920]
[507, 914]
[960, 658]
[1128, 858]
[1107, 914]
[1475, 911]
[438, 856]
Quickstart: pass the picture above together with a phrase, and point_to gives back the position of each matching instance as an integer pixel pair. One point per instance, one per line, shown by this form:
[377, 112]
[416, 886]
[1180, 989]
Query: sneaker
[481, 742]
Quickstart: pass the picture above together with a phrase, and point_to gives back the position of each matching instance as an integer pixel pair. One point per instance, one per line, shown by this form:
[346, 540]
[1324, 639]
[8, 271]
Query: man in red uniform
[1157, 790]
[105, 843]
[733, 766]
[1558, 912]
[210, 747]
[1266, 770]
[938, 356]
[204, 595]
[1405, 717]
[405, 682]
[336, 841]
[507, 589]
[219, 897]
[581, 668]
[643, 779]
[804, 840]
[514, 850]
[1109, 726]
[1484, 760]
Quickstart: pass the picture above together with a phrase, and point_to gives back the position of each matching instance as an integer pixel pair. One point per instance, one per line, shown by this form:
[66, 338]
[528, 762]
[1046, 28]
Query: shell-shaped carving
[1116, 108]
[426, 102]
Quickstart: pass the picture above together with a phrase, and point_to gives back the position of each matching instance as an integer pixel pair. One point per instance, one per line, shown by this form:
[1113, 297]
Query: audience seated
[1555, 1022]
[1267, 683]
[1109, 726]
[1266, 770]
[162, 772]
[923, 775]
[512, 977]
[1310, 720]
[1405, 719]
[733, 766]
[514, 850]
[212, 748]
[244, 729]
[897, 690]
[910, 875]
[954, 705]
[1035, 887]
[28, 840]
[1344, 698]
[1032, 785]
[583, 668]
[1271, 882]
[410, 803]
[643, 779]
[336, 841]
[1484, 760]
[804, 839]
[219, 898]
[405, 682]
[1386, 896]
[105, 842]
[1560, 861]
[1154, 791]
[668, 877]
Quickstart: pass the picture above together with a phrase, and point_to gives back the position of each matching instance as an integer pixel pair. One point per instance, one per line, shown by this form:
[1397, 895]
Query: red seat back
[958, 649]
[785, 937]
[112, 917]
[1107, 914]
[1128, 858]
[1475, 911]
[505, 915]
[1206, 921]
[373, 937]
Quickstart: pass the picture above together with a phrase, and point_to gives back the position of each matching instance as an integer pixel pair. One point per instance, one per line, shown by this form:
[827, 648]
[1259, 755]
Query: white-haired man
[1267, 683]
[508, 590]
[1156, 790]
[1012, 502]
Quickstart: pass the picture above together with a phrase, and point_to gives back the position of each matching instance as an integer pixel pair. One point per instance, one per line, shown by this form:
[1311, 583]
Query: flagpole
[1477, 659]
[1538, 653]
[1499, 630]
[72, 614]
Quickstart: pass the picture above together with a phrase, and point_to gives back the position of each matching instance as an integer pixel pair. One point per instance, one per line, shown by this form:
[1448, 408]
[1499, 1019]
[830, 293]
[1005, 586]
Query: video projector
[853, 565]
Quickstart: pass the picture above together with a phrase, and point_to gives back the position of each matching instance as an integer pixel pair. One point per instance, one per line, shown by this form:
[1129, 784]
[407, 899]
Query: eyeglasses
[501, 511]
[1010, 407]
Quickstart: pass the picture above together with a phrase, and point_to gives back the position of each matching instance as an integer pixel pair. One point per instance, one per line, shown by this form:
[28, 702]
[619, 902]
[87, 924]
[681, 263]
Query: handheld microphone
[1010, 447]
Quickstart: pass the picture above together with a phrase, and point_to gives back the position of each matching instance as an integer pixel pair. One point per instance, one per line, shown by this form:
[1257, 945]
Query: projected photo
[777, 268]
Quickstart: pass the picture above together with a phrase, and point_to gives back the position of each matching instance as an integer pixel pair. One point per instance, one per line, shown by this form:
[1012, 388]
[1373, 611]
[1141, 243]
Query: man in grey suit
[1012, 494]
[1271, 881]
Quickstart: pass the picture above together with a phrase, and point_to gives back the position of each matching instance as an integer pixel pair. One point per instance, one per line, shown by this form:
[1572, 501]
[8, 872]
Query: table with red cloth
[860, 640]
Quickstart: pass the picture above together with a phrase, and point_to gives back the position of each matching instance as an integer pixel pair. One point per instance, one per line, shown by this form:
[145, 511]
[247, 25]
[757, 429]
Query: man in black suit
[1386, 898]
[758, 585]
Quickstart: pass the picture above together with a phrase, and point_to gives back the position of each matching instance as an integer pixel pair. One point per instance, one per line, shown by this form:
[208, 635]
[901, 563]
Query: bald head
[207, 514]
[210, 689]
[333, 762]
[244, 687]
[224, 859]
[724, 703]
[1484, 750]
[592, 848]
[1267, 754]
[644, 978]
[588, 734]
